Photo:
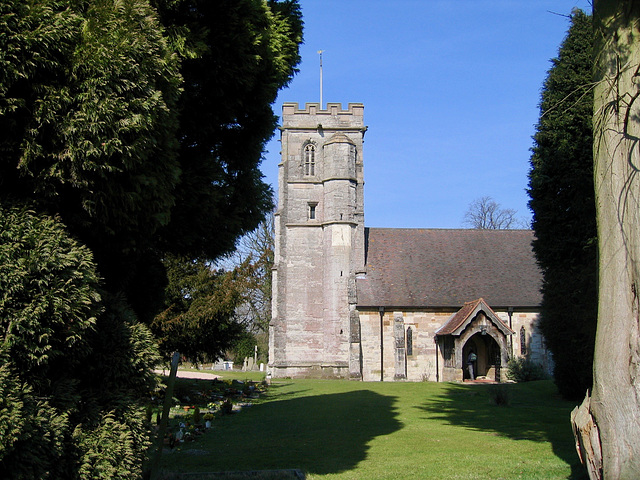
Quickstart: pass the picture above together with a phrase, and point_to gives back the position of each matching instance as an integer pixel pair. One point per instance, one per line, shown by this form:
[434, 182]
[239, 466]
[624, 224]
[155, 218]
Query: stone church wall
[423, 363]
[423, 360]
[533, 340]
[420, 360]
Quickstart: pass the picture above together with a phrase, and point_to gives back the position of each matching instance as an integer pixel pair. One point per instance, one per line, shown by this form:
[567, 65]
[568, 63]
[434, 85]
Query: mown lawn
[391, 430]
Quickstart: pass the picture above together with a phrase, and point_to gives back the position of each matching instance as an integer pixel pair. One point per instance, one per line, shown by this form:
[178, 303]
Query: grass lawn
[391, 430]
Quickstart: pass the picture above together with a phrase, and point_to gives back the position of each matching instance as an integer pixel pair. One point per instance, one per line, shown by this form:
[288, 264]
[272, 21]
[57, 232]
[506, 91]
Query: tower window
[312, 211]
[310, 160]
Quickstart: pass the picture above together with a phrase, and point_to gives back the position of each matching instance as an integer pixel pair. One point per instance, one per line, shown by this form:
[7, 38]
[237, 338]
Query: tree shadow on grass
[535, 412]
[319, 434]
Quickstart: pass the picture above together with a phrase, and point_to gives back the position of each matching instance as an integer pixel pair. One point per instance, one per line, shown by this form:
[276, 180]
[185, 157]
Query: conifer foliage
[562, 199]
[73, 360]
[198, 320]
[88, 117]
[131, 132]
[232, 69]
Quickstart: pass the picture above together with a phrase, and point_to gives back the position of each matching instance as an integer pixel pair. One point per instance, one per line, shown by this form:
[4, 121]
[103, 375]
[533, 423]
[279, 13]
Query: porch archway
[488, 359]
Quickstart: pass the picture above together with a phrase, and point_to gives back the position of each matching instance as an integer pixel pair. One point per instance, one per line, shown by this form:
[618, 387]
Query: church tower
[319, 244]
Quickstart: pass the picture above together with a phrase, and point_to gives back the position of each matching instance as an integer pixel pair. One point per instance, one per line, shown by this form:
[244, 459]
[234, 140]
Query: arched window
[310, 159]
[523, 341]
[409, 342]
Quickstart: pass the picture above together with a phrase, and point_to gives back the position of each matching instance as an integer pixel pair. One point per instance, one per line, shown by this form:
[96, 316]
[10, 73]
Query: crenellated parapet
[334, 117]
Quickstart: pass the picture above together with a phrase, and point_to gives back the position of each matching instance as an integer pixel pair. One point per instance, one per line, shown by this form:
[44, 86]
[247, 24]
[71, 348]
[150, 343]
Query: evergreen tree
[198, 320]
[143, 128]
[49, 302]
[71, 369]
[88, 120]
[236, 55]
[563, 205]
[143, 140]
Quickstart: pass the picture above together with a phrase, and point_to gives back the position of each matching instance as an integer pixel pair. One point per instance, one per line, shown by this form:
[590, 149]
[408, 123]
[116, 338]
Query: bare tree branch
[486, 214]
[255, 249]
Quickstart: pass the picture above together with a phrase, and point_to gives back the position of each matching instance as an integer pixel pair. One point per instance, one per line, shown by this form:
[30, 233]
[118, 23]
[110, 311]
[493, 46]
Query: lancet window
[310, 159]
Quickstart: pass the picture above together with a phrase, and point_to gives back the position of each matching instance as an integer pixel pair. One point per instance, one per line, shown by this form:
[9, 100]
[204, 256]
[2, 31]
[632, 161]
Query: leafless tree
[486, 214]
[255, 253]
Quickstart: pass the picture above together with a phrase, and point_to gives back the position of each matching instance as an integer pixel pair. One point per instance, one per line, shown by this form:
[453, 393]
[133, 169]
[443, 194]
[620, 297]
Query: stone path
[479, 381]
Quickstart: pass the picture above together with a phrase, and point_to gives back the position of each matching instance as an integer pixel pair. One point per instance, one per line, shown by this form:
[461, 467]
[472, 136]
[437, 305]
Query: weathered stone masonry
[319, 241]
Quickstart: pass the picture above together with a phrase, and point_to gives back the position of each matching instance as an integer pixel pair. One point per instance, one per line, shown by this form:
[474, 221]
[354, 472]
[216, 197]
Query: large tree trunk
[615, 404]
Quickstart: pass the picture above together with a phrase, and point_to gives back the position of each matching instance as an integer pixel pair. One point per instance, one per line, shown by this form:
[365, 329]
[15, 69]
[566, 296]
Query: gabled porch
[474, 328]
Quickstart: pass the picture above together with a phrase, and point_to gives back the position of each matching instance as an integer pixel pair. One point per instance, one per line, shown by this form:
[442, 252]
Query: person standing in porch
[470, 361]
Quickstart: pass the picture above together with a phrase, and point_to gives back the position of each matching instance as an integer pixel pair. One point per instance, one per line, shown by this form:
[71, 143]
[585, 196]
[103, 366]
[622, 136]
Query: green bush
[524, 370]
[32, 432]
[226, 408]
[48, 308]
[500, 395]
[73, 363]
[197, 417]
[115, 448]
[50, 299]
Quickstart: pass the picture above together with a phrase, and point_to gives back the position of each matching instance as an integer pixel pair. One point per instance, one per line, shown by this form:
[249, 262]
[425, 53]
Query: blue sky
[450, 90]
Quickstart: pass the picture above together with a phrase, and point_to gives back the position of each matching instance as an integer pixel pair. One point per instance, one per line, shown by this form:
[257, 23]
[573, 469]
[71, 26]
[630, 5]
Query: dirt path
[185, 374]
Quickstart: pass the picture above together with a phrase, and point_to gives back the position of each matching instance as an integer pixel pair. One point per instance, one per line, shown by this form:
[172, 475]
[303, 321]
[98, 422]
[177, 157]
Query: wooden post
[168, 396]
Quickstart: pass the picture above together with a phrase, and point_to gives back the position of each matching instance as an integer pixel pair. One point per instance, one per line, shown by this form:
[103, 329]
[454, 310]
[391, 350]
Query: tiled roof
[458, 318]
[446, 268]
[470, 309]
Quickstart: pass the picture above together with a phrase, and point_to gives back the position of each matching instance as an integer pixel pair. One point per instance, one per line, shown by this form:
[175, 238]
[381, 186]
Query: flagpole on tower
[320, 53]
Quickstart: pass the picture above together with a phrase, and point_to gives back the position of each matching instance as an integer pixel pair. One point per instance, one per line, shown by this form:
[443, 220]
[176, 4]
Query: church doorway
[488, 359]
[475, 327]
